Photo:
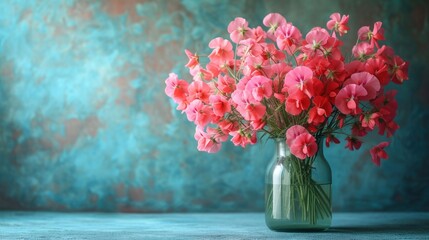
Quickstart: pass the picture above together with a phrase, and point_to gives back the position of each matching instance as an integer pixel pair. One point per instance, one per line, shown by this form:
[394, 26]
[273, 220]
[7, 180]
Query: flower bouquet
[297, 88]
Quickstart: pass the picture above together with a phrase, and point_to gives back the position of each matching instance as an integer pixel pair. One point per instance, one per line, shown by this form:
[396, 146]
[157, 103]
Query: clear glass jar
[298, 192]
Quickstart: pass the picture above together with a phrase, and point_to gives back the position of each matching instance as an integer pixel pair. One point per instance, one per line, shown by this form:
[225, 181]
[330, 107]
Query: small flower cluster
[287, 85]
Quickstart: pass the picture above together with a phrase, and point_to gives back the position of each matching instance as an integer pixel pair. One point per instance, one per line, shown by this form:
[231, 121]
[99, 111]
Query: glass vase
[298, 192]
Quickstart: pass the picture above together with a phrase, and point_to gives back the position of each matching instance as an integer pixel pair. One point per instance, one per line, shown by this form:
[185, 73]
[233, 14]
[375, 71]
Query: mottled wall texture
[85, 124]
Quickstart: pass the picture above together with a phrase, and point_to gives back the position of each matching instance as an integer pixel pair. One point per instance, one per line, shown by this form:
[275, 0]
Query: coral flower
[199, 113]
[220, 105]
[304, 146]
[347, 99]
[260, 87]
[199, 90]
[338, 23]
[273, 21]
[222, 51]
[239, 30]
[378, 152]
[175, 88]
[194, 60]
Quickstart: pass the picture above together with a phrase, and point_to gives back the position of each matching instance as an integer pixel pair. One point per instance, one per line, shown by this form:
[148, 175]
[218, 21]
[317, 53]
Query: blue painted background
[85, 124]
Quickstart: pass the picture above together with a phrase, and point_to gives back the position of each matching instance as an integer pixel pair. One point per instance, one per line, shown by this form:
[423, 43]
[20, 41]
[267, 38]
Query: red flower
[322, 109]
[377, 153]
[297, 102]
[353, 143]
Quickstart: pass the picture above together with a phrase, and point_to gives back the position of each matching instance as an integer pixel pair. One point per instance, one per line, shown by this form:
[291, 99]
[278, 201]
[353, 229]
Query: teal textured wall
[85, 124]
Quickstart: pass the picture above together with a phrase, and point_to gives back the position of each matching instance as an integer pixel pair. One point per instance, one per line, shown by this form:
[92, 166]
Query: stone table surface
[54, 225]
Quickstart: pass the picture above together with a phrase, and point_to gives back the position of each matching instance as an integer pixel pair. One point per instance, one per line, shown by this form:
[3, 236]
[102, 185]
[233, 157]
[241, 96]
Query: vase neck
[282, 149]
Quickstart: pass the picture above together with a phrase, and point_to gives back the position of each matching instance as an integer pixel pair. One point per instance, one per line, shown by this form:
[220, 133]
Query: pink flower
[347, 99]
[377, 153]
[211, 141]
[363, 50]
[304, 146]
[322, 110]
[199, 113]
[243, 138]
[287, 37]
[226, 84]
[369, 120]
[220, 105]
[222, 51]
[193, 59]
[175, 88]
[338, 23]
[273, 21]
[366, 80]
[239, 30]
[364, 33]
[199, 90]
[200, 74]
[316, 38]
[353, 143]
[297, 102]
[297, 77]
[252, 111]
[260, 87]
[293, 132]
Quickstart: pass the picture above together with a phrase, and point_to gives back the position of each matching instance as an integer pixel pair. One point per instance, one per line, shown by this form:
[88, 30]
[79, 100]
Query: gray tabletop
[47, 225]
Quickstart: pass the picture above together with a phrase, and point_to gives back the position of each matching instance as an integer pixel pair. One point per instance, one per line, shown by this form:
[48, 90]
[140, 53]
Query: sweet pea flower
[200, 74]
[304, 146]
[338, 23]
[239, 30]
[194, 59]
[175, 88]
[316, 38]
[260, 87]
[297, 78]
[293, 132]
[297, 102]
[252, 111]
[273, 21]
[367, 81]
[347, 99]
[378, 152]
[199, 90]
[243, 138]
[226, 84]
[209, 141]
[363, 50]
[400, 70]
[199, 113]
[322, 109]
[365, 34]
[222, 51]
[378, 68]
[287, 37]
[331, 138]
[369, 120]
[353, 143]
[220, 105]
